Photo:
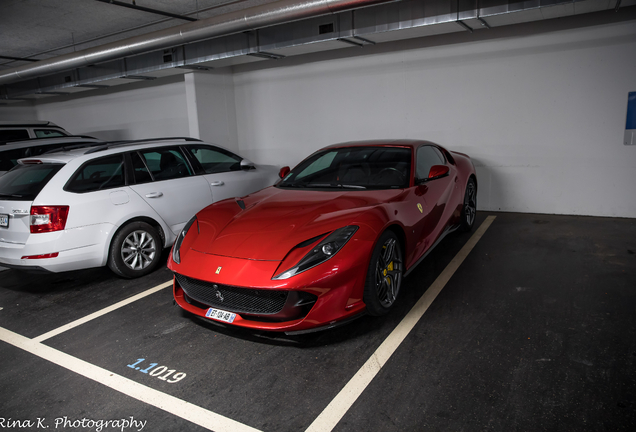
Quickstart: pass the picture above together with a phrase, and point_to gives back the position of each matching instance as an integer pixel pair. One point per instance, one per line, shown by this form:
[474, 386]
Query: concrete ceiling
[43, 29]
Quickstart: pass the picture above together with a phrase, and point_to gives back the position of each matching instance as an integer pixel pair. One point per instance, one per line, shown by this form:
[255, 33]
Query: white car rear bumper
[77, 248]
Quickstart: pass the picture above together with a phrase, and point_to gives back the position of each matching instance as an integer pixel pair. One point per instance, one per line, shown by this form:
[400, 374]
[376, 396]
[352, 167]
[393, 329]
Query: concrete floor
[536, 330]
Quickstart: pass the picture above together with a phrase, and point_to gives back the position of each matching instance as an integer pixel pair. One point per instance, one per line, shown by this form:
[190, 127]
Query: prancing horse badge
[218, 270]
[419, 207]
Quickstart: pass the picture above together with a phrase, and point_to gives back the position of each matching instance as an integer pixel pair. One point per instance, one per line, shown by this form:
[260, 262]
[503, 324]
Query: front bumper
[322, 297]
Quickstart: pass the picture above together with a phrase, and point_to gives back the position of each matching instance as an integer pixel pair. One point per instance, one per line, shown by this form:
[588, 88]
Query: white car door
[165, 180]
[224, 174]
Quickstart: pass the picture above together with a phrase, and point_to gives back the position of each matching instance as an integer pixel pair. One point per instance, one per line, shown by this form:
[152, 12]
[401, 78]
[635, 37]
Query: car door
[166, 181]
[222, 171]
[434, 192]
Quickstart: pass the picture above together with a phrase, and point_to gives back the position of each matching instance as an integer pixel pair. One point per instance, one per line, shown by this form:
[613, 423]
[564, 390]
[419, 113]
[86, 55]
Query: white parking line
[339, 406]
[101, 312]
[171, 404]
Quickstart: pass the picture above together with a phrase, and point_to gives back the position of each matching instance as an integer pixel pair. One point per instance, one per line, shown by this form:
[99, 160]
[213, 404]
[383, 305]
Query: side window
[427, 156]
[166, 163]
[215, 160]
[48, 133]
[9, 158]
[140, 170]
[98, 174]
[13, 135]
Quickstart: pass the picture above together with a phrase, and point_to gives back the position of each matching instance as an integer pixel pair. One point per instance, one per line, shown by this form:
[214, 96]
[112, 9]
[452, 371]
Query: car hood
[275, 220]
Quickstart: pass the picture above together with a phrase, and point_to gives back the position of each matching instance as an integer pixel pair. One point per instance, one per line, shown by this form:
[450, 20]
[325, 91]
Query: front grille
[234, 299]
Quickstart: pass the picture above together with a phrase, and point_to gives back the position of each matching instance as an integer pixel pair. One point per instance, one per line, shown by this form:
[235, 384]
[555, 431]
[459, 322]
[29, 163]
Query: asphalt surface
[535, 331]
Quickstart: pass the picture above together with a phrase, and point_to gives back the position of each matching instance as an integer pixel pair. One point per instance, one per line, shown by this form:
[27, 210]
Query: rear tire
[469, 209]
[135, 250]
[384, 276]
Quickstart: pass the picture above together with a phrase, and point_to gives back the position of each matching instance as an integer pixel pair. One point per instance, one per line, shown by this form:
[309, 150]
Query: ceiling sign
[630, 126]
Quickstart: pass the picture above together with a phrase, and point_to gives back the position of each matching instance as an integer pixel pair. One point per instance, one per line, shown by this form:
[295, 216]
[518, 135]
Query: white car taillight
[48, 218]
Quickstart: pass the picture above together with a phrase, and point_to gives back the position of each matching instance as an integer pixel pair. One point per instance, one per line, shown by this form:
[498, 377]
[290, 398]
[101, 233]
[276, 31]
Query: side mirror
[247, 165]
[438, 171]
[283, 172]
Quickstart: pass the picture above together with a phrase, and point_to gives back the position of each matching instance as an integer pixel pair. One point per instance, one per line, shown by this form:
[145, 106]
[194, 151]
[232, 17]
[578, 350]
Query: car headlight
[321, 252]
[176, 257]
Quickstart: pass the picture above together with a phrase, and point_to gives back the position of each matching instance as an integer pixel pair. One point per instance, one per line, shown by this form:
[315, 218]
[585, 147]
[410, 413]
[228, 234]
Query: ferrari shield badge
[419, 207]
[218, 270]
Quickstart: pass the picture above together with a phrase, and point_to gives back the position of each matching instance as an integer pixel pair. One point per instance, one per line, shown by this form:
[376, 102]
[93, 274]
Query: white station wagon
[117, 204]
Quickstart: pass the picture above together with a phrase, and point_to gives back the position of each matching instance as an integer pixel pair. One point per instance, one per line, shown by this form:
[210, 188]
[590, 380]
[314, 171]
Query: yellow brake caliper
[386, 272]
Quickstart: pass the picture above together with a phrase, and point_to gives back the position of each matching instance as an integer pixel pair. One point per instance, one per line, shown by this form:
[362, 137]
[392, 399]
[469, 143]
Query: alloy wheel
[138, 250]
[470, 203]
[388, 273]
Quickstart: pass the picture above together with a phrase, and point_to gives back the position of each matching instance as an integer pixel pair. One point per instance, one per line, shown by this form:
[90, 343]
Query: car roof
[73, 139]
[109, 148]
[381, 143]
[28, 123]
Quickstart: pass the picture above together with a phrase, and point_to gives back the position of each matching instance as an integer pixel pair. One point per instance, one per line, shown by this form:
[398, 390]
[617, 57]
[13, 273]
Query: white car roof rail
[112, 144]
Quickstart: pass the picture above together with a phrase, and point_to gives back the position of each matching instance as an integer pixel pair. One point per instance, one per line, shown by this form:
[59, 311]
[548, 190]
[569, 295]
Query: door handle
[217, 183]
[154, 195]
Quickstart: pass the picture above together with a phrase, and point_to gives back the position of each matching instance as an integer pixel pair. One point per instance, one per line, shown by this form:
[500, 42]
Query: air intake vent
[234, 299]
[325, 28]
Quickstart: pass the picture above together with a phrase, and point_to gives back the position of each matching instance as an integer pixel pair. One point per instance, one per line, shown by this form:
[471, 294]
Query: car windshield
[24, 182]
[355, 168]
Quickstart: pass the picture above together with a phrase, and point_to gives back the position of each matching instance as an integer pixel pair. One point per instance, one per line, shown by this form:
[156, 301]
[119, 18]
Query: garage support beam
[147, 9]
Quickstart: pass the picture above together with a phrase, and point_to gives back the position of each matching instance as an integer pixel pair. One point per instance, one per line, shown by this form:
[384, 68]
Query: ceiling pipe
[234, 22]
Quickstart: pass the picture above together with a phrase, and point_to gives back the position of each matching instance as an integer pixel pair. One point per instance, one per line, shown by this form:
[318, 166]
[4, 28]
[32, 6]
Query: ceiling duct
[357, 27]
[234, 22]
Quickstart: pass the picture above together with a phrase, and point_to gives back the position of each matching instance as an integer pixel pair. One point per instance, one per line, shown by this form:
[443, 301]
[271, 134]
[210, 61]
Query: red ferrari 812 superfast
[332, 240]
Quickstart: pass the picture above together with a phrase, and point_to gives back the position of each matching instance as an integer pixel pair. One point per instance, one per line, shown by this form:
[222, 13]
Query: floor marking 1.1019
[158, 371]
[163, 401]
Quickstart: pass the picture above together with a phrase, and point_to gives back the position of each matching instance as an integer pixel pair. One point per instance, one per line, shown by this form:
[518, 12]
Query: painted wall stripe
[171, 404]
[101, 312]
[343, 401]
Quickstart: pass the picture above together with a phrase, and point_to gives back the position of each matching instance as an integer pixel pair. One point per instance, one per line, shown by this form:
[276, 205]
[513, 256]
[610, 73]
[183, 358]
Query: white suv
[118, 204]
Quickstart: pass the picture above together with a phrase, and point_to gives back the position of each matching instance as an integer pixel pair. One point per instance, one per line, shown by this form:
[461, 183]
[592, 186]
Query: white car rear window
[24, 182]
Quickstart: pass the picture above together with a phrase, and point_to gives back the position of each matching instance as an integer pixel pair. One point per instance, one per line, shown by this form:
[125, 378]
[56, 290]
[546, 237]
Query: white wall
[540, 107]
[133, 111]
[542, 114]
[211, 109]
[18, 112]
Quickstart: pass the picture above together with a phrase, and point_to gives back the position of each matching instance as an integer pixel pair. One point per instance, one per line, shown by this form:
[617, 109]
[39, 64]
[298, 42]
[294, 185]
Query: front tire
[384, 276]
[135, 250]
[469, 209]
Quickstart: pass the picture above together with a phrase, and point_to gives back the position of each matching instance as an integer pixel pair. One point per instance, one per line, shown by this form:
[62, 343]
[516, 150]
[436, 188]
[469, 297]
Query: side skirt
[444, 234]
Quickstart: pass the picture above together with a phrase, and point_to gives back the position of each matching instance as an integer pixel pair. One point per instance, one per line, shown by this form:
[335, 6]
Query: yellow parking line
[339, 406]
[171, 404]
[101, 312]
